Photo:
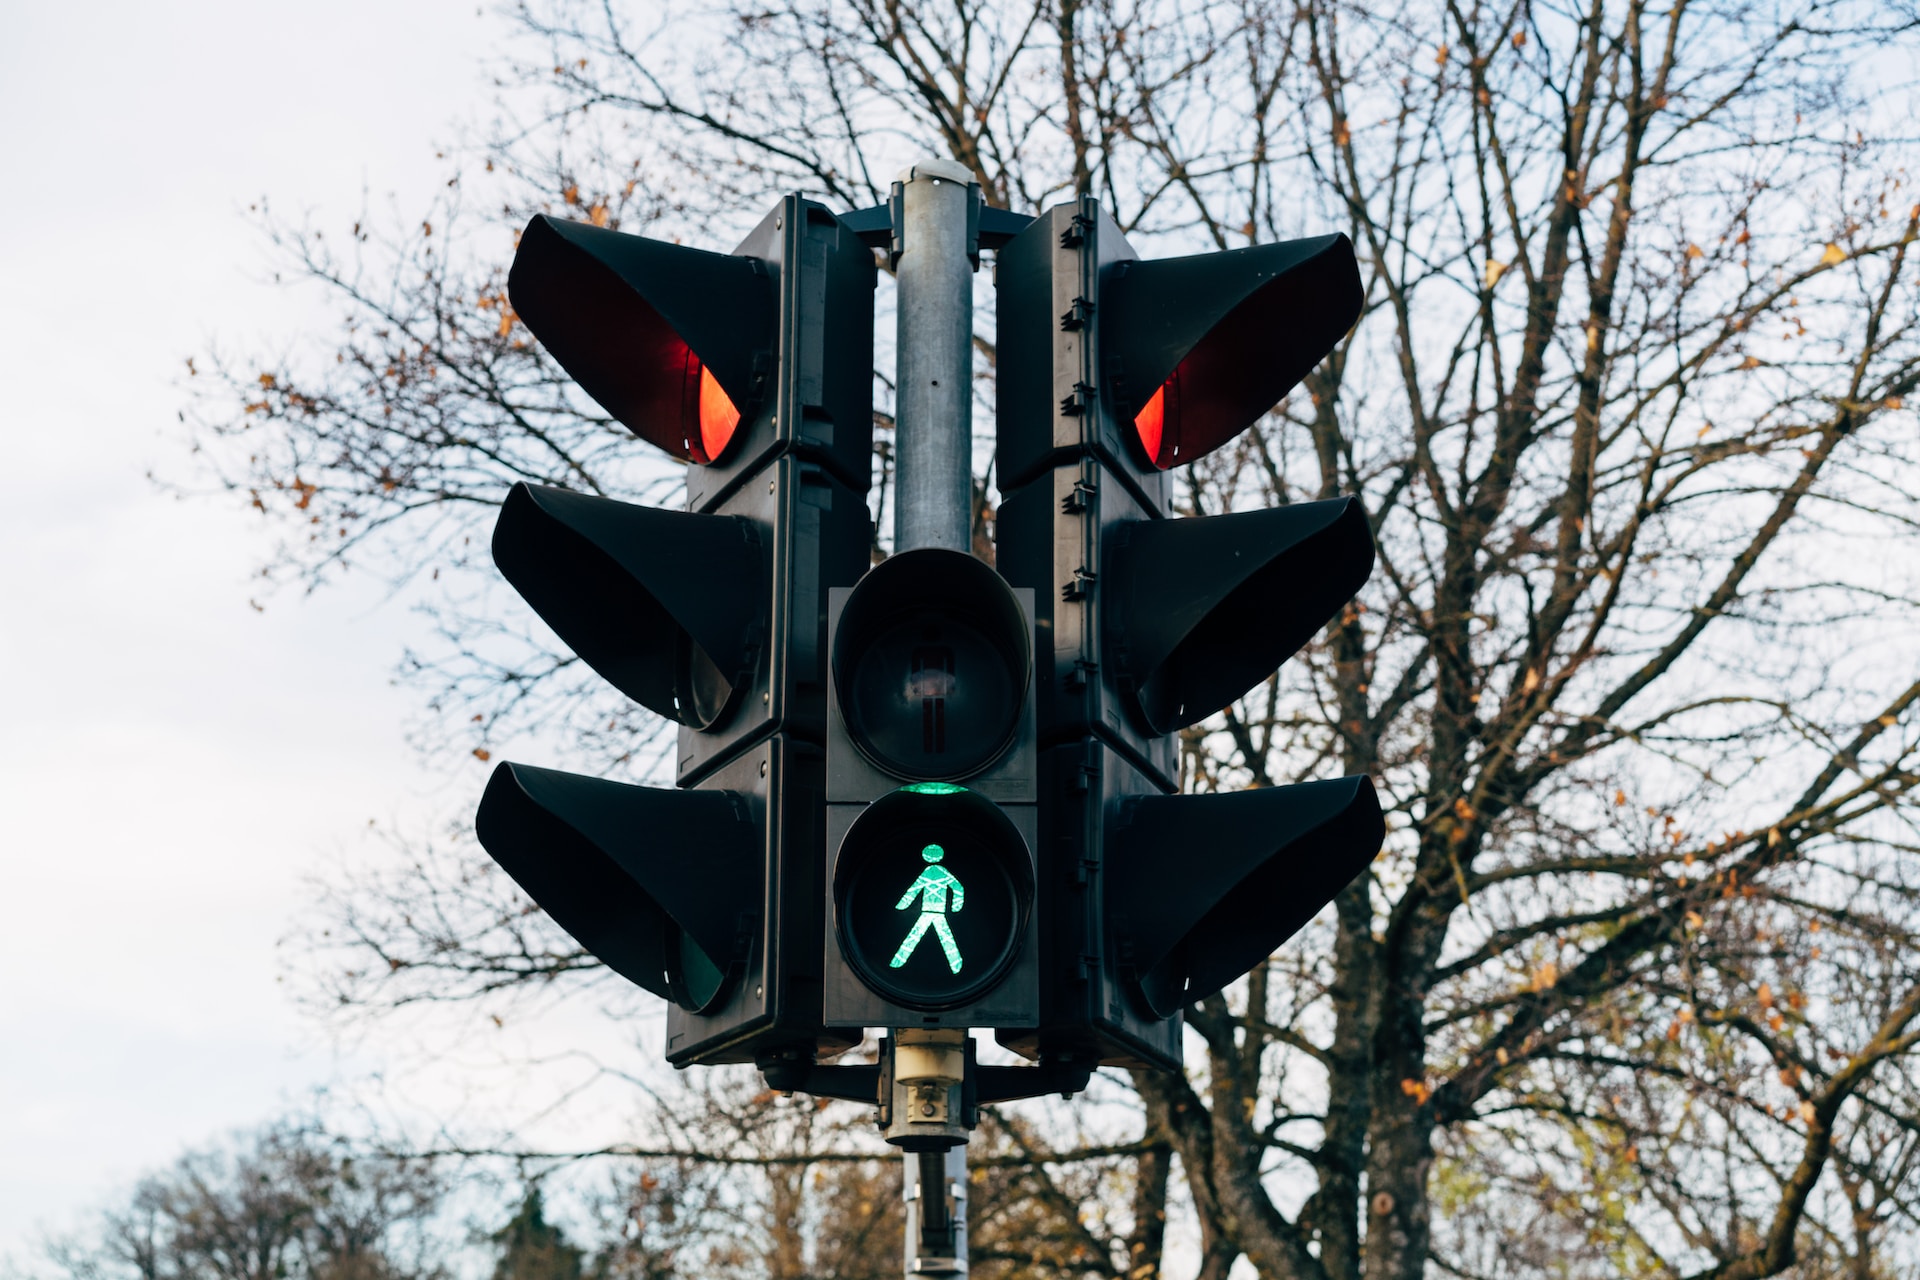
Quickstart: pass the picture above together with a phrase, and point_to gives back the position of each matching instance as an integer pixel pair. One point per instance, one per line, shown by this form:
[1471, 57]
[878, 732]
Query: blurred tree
[286, 1203]
[1633, 986]
[531, 1248]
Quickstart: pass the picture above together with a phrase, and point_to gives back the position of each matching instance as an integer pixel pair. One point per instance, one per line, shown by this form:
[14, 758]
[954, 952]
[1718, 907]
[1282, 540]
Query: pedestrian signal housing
[930, 817]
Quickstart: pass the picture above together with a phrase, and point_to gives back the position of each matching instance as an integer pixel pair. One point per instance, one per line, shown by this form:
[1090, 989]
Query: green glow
[934, 788]
[932, 888]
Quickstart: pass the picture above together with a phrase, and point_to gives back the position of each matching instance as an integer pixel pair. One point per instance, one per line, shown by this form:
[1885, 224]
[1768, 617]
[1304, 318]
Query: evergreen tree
[531, 1248]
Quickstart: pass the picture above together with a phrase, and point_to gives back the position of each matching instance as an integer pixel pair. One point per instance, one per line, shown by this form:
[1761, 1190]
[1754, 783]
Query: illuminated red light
[1158, 424]
[708, 416]
[718, 417]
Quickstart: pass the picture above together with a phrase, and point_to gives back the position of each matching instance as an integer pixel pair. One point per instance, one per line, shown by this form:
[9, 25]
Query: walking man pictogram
[931, 888]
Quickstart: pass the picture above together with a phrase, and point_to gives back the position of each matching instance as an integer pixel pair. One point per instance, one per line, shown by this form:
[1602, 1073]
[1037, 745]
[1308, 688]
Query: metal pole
[936, 1194]
[933, 507]
[933, 401]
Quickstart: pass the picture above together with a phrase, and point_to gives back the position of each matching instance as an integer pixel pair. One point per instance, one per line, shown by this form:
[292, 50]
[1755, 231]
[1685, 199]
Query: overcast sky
[172, 762]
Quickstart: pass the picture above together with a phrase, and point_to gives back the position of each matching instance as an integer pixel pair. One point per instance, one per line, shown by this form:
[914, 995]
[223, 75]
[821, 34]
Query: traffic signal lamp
[669, 607]
[1195, 349]
[1110, 370]
[589, 852]
[1273, 857]
[1202, 610]
[755, 368]
[931, 774]
[677, 343]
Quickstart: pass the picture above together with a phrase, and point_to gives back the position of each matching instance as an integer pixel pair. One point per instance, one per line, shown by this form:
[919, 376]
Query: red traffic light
[676, 343]
[714, 417]
[1202, 346]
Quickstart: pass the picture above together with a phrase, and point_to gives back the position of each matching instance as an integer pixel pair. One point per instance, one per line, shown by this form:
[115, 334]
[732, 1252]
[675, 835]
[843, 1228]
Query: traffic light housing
[989, 764]
[931, 777]
[755, 368]
[1110, 370]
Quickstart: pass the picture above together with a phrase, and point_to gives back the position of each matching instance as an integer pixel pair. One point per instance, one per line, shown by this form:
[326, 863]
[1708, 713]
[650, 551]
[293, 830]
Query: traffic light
[755, 368]
[1112, 369]
[931, 776]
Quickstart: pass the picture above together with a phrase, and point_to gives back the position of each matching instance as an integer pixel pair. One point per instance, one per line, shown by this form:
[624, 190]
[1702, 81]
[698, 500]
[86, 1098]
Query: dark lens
[933, 698]
[700, 692]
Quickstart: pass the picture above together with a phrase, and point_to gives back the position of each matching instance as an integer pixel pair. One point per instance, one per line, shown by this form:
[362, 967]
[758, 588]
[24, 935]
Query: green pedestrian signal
[932, 891]
[933, 888]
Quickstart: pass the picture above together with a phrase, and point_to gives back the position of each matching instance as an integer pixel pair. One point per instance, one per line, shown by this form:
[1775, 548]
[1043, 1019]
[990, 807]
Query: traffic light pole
[933, 399]
[933, 507]
[936, 1193]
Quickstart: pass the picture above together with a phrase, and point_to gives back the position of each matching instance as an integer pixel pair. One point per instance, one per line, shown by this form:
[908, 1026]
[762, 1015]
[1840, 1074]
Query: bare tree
[1633, 985]
[287, 1203]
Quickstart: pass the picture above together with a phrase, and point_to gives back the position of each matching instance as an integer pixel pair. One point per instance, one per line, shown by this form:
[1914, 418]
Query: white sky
[172, 763]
